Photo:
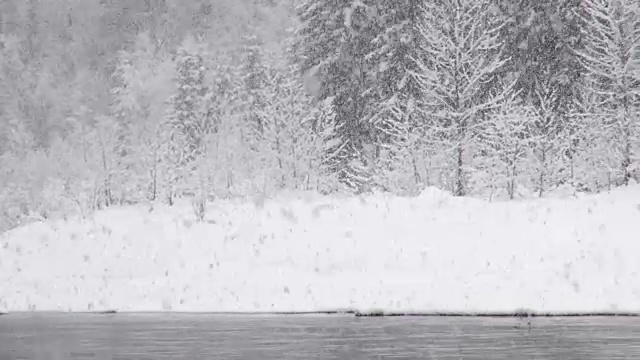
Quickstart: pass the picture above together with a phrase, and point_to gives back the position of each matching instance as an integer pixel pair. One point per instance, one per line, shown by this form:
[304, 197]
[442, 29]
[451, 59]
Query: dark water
[174, 336]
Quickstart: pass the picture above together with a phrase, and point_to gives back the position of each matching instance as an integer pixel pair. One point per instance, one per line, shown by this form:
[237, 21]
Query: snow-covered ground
[429, 253]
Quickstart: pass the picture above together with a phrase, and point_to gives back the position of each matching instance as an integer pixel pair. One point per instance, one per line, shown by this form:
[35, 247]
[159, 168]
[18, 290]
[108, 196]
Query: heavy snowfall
[311, 155]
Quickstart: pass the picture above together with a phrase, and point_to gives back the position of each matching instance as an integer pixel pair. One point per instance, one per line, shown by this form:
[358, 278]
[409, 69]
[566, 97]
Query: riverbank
[431, 253]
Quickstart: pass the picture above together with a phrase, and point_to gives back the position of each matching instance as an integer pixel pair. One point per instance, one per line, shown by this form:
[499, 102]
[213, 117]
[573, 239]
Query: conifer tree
[335, 38]
[189, 121]
[612, 38]
[461, 46]
[506, 142]
[189, 98]
[395, 114]
[255, 82]
[145, 79]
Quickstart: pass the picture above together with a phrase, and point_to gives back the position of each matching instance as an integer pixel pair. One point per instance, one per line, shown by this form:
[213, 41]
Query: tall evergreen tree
[336, 38]
[460, 45]
[145, 80]
[189, 120]
[506, 143]
[255, 81]
[612, 36]
[190, 117]
[541, 36]
[395, 114]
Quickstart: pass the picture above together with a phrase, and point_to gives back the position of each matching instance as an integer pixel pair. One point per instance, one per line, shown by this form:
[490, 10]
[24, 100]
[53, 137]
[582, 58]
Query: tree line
[105, 102]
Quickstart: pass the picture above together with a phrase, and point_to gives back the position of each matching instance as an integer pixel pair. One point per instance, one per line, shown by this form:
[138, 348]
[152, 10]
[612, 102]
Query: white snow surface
[431, 253]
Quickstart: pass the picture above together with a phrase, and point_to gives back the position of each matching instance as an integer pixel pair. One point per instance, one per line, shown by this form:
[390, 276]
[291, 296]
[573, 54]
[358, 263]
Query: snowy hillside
[434, 252]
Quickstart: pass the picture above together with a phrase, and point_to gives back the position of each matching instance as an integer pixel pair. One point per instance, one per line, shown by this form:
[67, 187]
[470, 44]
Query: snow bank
[433, 252]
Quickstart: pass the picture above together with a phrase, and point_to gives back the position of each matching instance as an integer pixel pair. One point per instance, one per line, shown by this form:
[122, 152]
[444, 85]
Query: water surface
[178, 336]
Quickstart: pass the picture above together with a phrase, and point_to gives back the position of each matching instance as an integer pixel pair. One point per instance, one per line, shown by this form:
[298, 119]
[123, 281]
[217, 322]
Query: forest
[120, 102]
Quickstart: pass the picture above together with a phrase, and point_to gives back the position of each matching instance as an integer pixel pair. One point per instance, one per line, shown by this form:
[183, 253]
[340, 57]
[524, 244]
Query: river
[191, 336]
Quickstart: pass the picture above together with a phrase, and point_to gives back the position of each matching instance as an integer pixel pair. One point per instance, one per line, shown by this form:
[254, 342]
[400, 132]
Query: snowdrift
[431, 253]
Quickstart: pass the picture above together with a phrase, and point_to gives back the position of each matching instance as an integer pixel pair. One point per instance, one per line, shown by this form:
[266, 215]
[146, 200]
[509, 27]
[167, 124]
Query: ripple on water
[163, 336]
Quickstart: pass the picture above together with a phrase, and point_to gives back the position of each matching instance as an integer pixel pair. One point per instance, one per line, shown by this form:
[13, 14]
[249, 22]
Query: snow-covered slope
[429, 253]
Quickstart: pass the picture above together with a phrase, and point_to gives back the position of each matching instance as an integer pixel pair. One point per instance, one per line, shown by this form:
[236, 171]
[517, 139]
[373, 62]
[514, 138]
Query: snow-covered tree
[540, 37]
[14, 135]
[282, 129]
[595, 165]
[189, 119]
[255, 74]
[325, 145]
[228, 155]
[145, 80]
[190, 114]
[507, 140]
[335, 38]
[461, 47]
[544, 146]
[296, 133]
[395, 114]
[612, 38]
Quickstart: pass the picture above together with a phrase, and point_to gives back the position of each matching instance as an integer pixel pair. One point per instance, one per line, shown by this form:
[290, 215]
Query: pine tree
[144, 79]
[612, 35]
[334, 40]
[255, 81]
[189, 119]
[395, 114]
[322, 148]
[506, 143]
[14, 136]
[541, 37]
[594, 162]
[189, 99]
[461, 46]
[226, 107]
[298, 134]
